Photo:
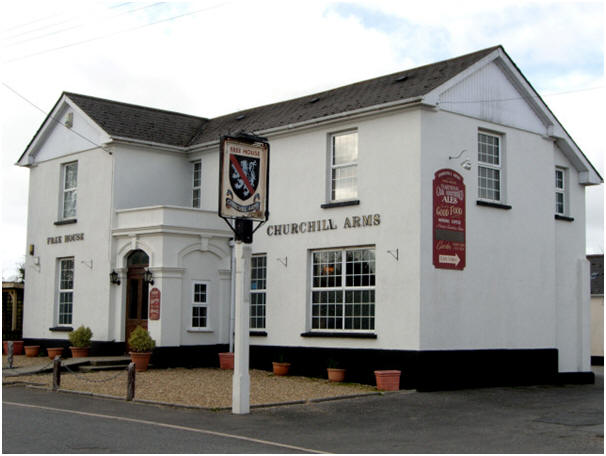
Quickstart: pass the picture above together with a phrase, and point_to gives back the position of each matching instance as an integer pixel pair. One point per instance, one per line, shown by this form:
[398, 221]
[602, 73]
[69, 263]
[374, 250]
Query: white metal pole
[241, 378]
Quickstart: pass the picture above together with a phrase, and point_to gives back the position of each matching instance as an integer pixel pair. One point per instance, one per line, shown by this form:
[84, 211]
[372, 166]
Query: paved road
[540, 419]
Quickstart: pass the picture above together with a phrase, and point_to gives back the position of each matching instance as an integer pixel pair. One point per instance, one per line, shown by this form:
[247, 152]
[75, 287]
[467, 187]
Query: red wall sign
[154, 304]
[448, 220]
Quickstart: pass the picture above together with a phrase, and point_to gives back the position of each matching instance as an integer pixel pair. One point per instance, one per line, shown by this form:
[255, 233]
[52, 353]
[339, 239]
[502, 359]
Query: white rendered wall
[388, 184]
[91, 255]
[146, 177]
[506, 295]
[572, 278]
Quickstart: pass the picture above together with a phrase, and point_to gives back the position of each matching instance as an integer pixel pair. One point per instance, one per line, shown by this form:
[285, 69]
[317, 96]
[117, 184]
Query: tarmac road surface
[534, 419]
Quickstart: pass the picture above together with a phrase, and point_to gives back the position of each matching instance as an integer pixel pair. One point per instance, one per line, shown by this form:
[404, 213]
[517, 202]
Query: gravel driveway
[209, 388]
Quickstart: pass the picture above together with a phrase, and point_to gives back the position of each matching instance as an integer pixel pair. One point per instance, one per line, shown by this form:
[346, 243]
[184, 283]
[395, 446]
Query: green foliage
[81, 337]
[334, 364]
[140, 340]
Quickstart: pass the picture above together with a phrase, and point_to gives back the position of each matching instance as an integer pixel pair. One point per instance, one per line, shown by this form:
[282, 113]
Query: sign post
[243, 199]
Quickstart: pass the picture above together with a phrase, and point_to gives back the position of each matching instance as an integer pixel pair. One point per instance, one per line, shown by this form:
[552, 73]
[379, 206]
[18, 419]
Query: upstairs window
[196, 183]
[344, 166]
[489, 168]
[69, 190]
[560, 191]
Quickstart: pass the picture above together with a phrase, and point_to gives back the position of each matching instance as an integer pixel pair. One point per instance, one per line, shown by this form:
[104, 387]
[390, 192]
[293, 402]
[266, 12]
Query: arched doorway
[137, 293]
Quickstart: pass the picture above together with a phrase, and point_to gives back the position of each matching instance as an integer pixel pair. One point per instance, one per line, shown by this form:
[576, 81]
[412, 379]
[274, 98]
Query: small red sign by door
[154, 304]
[448, 220]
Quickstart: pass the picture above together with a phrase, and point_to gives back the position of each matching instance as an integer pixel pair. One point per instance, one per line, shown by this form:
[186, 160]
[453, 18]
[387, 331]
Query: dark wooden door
[137, 296]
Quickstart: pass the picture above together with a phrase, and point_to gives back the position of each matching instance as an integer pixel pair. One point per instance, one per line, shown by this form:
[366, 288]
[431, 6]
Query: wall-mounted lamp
[148, 277]
[395, 254]
[465, 164]
[31, 249]
[114, 278]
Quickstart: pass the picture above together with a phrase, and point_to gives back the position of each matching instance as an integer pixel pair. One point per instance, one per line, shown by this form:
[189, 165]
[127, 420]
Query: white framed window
[344, 166]
[199, 313]
[258, 284]
[560, 191]
[65, 291]
[343, 289]
[196, 183]
[490, 176]
[69, 190]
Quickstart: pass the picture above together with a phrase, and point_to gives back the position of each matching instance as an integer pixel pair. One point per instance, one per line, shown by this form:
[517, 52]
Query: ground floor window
[258, 280]
[343, 289]
[200, 305]
[65, 290]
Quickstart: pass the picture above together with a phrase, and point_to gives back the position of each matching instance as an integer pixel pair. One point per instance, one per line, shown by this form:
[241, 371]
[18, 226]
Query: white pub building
[431, 220]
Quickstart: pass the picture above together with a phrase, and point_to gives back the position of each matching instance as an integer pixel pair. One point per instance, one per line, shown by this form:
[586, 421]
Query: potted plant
[226, 360]
[280, 367]
[80, 341]
[388, 380]
[141, 345]
[335, 372]
[31, 351]
[17, 347]
[54, 351]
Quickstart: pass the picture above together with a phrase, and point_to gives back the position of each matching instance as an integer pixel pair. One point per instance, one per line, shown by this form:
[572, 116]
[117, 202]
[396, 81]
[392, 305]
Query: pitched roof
[165, 127]
[402, 85]
[139, 122]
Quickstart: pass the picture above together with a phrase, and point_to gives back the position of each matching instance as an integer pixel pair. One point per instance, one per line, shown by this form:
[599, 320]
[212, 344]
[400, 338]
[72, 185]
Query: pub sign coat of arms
[243, 179]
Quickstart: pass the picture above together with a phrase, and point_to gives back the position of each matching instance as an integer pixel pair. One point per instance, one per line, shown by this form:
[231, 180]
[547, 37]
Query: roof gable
[65, 130]
[123, 120]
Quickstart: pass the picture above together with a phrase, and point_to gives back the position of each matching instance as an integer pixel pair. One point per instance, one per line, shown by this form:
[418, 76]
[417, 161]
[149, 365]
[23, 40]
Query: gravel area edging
[198, 407]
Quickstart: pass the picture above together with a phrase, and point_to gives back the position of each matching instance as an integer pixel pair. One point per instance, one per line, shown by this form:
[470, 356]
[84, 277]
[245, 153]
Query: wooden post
[241, 379]
[56, 373]
[130, 386]
[10, 350]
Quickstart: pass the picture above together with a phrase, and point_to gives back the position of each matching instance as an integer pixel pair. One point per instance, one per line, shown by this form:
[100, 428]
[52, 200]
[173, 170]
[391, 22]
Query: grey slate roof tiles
[148, 124]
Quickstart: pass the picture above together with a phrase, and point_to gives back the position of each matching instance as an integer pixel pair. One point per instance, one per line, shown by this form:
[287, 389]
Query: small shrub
[81, 337]
[140, 340]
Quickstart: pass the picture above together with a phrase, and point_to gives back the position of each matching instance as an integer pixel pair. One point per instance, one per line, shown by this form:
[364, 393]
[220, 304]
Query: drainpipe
[232, 296]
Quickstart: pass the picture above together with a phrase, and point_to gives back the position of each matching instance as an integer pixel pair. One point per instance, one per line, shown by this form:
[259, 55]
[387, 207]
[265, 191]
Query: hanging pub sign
[448, 220]
[244, 183]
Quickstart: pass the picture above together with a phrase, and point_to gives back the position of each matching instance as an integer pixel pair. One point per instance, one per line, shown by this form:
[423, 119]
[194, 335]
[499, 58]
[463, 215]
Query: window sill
[564, 218]
[66, 222]
[258, 333]
[351, 335]
[340, 204]
[61, 329]
[491, 204]
[199, 330]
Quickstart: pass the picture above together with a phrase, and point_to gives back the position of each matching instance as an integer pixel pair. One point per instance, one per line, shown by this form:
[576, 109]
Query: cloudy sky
[213, 57]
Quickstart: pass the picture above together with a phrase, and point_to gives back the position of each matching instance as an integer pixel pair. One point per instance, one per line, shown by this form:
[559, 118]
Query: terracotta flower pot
[281, 368]
[226, 360]
[141, 360]
[79, 352]
[55, 351]
[31, 351]
[388, 380]
[17, 347]
[335, 374]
